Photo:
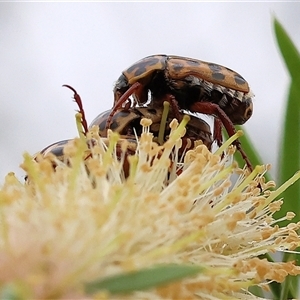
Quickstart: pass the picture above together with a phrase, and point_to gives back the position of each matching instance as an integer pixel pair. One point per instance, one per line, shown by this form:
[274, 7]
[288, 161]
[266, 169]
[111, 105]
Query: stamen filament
[162, 125]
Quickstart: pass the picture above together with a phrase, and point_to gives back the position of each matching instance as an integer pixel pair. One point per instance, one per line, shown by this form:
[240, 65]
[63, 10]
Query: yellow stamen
[162, 125]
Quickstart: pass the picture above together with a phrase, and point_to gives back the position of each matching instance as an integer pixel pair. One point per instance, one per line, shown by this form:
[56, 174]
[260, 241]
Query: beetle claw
[77, 99]
[72, 89]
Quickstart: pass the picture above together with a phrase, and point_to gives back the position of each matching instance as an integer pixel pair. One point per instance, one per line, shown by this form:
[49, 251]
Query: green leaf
[14, 291]
[9, 293]
[142, 279]
[257, 291]
[289, 158]
[288, 50]
[290, 285]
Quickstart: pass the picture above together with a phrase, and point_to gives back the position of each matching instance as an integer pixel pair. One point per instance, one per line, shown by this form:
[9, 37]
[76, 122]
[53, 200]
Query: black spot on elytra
[218, 76]
[193, 63]
[121, 114]
[117, 118]
[54, 146]
[214, 67]
[114, 125]
[142, 66]
[239, 79]
[102, 125]
[152, 111]
[177, 67]
[59, 151]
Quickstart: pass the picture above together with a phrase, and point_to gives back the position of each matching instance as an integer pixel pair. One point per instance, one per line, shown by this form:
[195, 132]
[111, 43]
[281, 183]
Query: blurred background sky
[88, 45]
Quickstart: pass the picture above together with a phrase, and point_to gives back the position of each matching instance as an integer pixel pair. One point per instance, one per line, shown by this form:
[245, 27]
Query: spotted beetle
[127, 123]
[190, 84]
[190, 81]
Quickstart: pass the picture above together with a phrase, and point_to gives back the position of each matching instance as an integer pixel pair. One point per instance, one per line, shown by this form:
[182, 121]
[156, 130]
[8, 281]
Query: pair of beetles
[189, 86]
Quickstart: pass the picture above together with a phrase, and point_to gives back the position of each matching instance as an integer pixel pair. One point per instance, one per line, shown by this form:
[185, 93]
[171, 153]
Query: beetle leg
[173, 103]
[175, 108]
[218, 131]
[120, 102]
[77, 99]
[214, 109]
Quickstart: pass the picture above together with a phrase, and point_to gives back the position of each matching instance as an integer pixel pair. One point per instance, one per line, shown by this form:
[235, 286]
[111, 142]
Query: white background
[88, 45]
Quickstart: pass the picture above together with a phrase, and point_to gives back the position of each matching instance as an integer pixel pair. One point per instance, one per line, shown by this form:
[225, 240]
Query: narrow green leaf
[257, 291]
[293, 288]
[288, 50]
[142, 279]
[289, 158]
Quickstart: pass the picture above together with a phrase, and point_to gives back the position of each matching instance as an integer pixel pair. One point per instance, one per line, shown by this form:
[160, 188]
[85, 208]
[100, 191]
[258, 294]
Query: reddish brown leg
[214, 109]
[77, 99]
[175, 108]
[218, 131]
[121, 101]
[173, 103]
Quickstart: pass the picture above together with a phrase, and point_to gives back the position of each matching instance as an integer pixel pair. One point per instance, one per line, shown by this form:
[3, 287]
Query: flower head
[115, 206]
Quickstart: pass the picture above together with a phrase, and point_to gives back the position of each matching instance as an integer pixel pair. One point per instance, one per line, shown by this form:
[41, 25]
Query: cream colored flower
[86, 221]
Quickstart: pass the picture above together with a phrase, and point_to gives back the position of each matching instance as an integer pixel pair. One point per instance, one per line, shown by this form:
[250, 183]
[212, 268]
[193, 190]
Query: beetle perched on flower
[190, 84]
[127, 123]
[189, 80]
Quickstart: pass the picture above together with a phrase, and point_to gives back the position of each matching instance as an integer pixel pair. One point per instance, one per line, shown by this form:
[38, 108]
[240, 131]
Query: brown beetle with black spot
[190, 81]
[127, 122]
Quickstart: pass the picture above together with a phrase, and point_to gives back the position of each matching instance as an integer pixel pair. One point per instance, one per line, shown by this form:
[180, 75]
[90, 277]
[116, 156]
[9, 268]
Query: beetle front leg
[121, 101]
[77, 99]
[218, 131]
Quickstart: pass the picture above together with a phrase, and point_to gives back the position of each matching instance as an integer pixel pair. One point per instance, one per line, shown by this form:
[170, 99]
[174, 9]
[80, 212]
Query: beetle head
[238, 111]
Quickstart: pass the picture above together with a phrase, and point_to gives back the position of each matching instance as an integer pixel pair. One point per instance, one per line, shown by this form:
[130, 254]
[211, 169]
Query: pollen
[114, 206]
[146, 122]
